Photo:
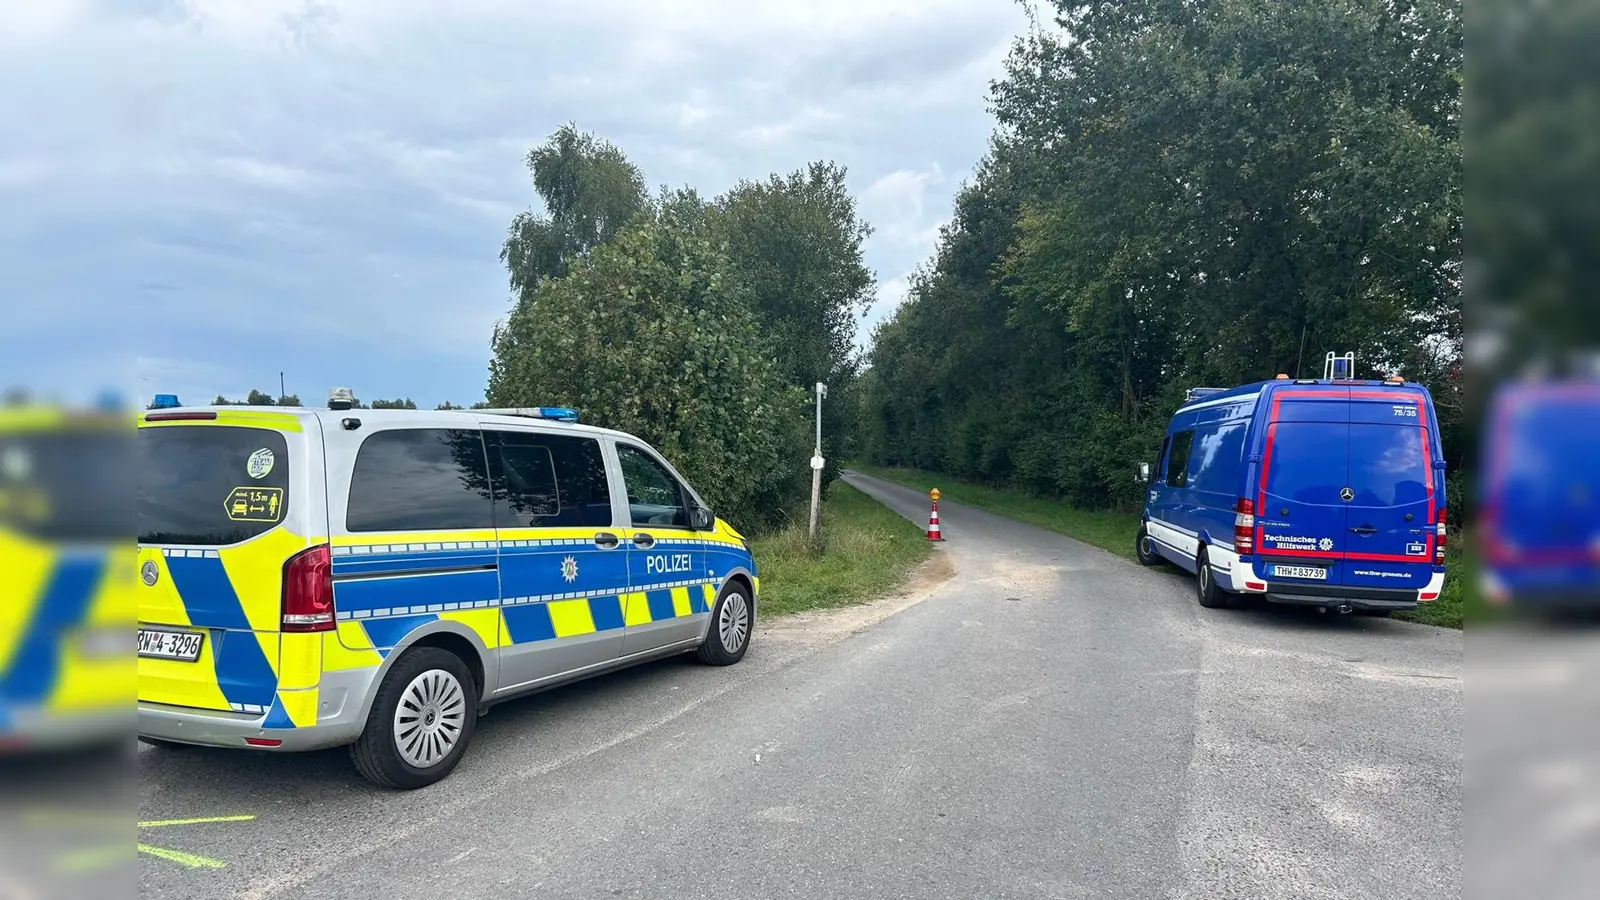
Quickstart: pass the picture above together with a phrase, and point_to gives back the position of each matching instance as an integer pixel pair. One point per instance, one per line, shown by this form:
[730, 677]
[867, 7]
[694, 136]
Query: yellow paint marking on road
[192, 860]
[99, 857]
[167, 823]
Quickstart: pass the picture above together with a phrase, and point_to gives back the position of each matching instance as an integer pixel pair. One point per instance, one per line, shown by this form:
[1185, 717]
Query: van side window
[1161, 457]
[420, 479]
[548, 480]
[654, 496]
[1217, 458]
[1178, 459]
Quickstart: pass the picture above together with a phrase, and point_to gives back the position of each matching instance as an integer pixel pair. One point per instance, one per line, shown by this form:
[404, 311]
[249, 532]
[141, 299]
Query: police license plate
[1311, 572]
[156, 643]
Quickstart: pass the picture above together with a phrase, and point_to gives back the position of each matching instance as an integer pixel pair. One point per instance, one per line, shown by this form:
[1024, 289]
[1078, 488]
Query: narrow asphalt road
[1052, 722]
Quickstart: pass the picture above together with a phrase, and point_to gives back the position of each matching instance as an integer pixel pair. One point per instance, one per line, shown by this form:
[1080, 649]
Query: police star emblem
[569, 569]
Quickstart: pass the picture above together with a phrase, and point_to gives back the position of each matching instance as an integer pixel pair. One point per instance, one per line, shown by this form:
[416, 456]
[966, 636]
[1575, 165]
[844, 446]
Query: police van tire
[1206, 590]
[1142, 550]
[732, 620]
[443, 684]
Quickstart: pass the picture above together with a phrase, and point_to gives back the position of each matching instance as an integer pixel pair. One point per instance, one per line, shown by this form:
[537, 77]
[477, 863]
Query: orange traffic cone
[934, 534]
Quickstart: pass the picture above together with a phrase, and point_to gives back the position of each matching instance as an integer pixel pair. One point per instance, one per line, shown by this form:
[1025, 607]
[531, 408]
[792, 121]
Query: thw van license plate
[157, 643]
[1310, 572]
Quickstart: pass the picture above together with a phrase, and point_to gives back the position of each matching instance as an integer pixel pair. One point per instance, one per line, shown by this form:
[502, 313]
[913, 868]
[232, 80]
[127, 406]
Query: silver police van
[376, 578]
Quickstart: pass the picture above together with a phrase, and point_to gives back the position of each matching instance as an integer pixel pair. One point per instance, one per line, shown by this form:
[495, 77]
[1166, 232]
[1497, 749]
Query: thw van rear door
[1300, 514]
[1391, 509]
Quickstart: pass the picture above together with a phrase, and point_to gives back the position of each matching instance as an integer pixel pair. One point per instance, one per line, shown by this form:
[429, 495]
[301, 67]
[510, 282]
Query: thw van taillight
[1244, 527]
[1439, 538]
[308, 590]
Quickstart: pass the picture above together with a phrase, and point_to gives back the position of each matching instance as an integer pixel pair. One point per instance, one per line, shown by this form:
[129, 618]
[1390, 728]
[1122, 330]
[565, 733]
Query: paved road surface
[1051, 723]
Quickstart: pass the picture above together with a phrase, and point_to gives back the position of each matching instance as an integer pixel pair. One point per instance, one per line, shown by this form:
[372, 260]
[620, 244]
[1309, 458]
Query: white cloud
[899, 206]
[807, 122]
[264, 174]
[891, 294]
[23, 22]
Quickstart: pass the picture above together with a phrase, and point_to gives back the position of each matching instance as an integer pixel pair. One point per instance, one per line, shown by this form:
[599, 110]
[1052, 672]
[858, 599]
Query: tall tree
[795, 243]
[1181, 193]
[650, 333]
[589, 190]
[798, 241]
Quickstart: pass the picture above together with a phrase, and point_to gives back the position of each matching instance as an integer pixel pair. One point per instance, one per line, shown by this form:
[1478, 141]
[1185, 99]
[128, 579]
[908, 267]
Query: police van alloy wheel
[731, 621]
[1210, 596]
[421, 721]
[1142, 550]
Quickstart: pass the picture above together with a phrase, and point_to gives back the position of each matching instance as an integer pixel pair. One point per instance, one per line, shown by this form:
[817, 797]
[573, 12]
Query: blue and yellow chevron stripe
[64, 621]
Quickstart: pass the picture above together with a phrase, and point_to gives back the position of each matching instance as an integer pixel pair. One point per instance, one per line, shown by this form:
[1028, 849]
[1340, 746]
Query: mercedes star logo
[1347, 494]
[148, 573]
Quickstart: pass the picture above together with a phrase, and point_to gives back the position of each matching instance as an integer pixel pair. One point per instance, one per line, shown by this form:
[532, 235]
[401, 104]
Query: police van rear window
[210, 485]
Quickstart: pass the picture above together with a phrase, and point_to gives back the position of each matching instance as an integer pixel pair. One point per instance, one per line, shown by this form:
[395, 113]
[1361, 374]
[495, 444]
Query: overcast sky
[201, 193]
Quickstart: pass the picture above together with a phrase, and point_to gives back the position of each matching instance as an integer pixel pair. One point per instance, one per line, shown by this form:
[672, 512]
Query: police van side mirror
[1142, 476]
[702, 519]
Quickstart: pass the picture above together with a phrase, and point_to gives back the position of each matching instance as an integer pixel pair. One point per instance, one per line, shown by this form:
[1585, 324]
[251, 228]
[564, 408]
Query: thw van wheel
[1206, 590]
[421, 721]
[732, 620]
[1142, 551]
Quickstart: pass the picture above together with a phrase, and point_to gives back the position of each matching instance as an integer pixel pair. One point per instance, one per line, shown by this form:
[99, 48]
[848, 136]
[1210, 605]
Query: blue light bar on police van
[165, 401]
[553, 413]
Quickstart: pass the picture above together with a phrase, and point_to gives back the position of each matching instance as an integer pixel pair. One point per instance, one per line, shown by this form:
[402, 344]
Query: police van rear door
[224, 499]
[1391, 490]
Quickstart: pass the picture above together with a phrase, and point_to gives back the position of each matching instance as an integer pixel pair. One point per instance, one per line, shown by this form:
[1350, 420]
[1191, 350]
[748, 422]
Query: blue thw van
[1539, 516]
[1319, 492]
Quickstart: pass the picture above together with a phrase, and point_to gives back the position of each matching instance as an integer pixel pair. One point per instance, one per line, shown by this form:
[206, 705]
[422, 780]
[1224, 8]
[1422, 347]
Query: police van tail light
[1440, 536]
[1244, 527]
[308, 590]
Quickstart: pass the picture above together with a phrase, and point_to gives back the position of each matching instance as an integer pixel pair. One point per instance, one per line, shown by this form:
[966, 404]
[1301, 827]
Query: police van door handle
[1364, 529]
[605, 540]
[644, 541]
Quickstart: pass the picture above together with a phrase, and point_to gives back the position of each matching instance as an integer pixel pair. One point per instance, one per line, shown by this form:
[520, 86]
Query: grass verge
[866, 552]
[1113, 532]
